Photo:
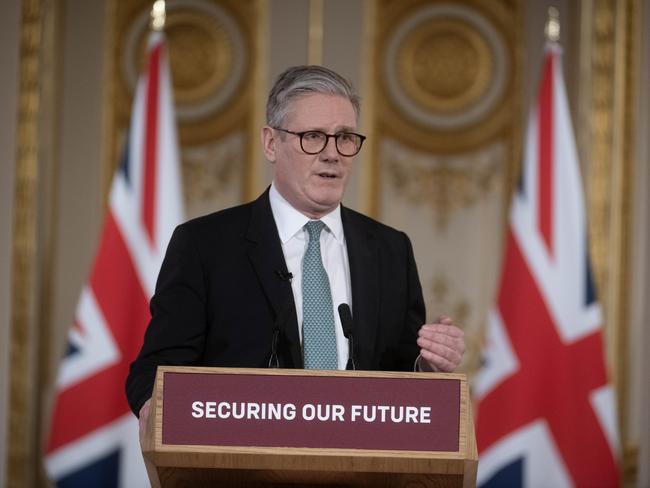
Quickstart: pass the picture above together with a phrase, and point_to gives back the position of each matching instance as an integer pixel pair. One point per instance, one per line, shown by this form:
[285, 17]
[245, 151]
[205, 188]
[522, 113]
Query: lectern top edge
[312, 372]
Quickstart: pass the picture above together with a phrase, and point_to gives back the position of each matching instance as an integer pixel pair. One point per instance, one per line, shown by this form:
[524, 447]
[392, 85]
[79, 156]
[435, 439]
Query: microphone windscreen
[346, 319]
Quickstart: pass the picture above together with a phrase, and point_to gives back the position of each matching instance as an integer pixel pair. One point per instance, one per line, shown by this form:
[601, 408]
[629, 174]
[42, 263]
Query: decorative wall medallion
[207, 54]
[446, 66]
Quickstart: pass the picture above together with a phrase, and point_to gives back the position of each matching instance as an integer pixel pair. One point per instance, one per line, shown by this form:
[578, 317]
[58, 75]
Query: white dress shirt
[290, 223]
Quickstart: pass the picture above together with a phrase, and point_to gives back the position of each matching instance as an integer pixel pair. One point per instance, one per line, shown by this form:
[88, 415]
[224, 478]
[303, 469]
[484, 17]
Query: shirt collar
[289, 220]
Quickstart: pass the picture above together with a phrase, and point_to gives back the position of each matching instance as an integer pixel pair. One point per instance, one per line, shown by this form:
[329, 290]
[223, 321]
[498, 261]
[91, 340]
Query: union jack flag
[94, 436]
[545, 409]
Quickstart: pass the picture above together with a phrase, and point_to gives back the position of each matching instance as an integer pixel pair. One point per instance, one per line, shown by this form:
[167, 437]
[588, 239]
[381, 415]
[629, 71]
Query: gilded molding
[615, 41]
[602, 126]
[367, 159]
[316, 27]
[22, 407]
[628, 49]
[254, 182]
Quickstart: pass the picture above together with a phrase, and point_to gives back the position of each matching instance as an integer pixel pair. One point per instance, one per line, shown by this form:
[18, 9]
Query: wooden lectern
[282, 428]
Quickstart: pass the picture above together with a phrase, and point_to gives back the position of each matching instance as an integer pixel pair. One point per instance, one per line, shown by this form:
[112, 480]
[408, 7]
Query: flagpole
[552, 28]
[158, 15]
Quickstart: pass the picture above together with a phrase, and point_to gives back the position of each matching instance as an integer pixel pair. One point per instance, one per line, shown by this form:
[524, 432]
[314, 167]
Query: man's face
[312, 183]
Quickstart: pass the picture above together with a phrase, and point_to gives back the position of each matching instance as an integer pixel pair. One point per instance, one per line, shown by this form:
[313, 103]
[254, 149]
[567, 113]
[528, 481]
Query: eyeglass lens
[347, 143]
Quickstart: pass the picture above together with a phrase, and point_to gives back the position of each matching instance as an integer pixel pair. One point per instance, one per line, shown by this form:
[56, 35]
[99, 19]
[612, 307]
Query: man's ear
[268, 143]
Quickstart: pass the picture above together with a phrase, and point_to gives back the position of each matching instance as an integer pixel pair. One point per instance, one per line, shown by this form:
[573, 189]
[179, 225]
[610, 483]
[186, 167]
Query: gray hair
[303, 80]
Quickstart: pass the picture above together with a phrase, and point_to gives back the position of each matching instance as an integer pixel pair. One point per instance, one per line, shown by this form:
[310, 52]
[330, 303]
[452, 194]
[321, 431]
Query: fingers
[437, 362]
[444, 319]
[142, 420]
[446, 329]
[442, 344]
[443, 357]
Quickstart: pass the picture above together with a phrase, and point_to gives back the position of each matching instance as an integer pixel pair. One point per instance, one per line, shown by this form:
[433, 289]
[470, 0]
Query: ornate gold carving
[449, 73]
[200, 53]
[207, 170]
[445, 66]
[602, 127]
[22, 407]
[315, 55]
[445, 183]
[366, 160]
[615, 45]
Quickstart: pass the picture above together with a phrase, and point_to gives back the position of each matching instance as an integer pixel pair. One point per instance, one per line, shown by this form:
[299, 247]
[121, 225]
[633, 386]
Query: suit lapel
[264, 251]
[363, 256]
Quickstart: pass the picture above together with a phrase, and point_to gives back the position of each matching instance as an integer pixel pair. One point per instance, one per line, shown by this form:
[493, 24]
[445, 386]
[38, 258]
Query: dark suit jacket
[219, 295]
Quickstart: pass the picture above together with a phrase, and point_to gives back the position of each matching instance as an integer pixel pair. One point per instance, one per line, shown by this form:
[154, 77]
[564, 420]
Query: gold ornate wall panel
[212, 52]
[448, 73]
[614, 35]
[446, 133]
[23, 387]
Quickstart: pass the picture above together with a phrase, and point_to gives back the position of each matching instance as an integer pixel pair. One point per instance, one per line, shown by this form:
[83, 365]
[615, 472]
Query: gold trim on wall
[253, 181]
[109, 130]
[22, 432]
[628, 40]
[316, 28]
[50, 342]
[615, 47]
[368, 203]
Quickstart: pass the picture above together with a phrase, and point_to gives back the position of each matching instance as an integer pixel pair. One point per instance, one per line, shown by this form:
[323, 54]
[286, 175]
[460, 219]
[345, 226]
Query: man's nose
[330, 152]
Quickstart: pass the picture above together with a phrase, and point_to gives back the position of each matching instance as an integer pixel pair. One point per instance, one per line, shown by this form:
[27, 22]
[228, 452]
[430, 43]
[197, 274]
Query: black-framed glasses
[314, 141]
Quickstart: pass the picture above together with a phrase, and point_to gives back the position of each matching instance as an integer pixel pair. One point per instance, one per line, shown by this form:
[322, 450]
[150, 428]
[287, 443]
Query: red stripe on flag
[100, 399]
[151, 145]
[545, 148]
[553, 382]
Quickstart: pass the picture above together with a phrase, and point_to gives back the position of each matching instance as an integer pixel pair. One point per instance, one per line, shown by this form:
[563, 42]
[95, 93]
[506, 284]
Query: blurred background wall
[446, 88]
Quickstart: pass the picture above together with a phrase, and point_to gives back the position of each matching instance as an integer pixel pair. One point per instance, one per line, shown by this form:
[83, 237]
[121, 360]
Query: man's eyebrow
[341, 128]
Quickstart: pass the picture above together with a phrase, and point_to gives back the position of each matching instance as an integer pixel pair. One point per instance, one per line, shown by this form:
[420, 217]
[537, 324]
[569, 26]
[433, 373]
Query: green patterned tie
[318, 329]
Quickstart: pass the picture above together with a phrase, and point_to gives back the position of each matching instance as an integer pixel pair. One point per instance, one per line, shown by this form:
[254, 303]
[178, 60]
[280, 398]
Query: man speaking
[261, 284]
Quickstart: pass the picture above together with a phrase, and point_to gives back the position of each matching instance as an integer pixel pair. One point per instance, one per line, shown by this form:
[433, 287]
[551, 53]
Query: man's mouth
[327, 175]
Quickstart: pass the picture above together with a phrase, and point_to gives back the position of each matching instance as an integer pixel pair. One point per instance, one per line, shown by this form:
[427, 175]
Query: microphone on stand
[346, 322]
[279, 326]
[284, 275]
